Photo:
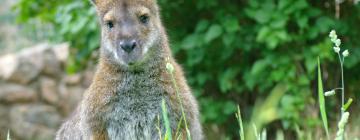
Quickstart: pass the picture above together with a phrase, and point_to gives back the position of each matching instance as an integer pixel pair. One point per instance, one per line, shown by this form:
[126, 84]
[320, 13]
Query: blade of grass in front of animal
[188, 134]
[178, 129]
[159, 128]
[168, 135]
[322, 101]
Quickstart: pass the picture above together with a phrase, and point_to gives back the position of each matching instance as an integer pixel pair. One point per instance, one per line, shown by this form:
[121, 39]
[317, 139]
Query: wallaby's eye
[110, 24]
[144, 19]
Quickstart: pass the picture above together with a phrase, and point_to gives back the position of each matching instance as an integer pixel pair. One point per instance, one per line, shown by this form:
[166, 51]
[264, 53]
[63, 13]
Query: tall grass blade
[264, 135]
[256, 134]
[8, 135]
[322, 101]
[168, 135]
[280, 135]
[238, 117]
[170, 69]
[159, 128]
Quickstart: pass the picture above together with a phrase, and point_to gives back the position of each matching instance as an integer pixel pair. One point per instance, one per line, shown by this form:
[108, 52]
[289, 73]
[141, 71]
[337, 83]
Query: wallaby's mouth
[131, 57]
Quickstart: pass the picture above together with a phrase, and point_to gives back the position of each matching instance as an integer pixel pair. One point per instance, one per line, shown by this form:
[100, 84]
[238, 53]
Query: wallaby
[131, 81]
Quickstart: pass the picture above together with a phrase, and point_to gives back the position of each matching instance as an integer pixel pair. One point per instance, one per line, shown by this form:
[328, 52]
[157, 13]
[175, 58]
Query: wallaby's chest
[136, 109]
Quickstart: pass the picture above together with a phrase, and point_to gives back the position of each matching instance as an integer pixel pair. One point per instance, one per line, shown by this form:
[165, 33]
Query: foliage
[232, 50]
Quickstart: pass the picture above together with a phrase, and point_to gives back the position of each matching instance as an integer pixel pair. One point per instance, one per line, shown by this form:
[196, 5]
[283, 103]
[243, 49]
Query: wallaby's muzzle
[128, 45]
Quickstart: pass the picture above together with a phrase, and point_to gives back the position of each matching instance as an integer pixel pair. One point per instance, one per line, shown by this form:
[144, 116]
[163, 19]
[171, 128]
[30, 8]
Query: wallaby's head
[130, 29]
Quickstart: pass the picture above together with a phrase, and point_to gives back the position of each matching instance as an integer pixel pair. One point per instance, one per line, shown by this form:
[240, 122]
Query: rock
[38, 122]
[4, 121]
[28, 64]
[48, 88]
[52, 66]
[61, 52]
[8, 65]
[70, 97]
[73, 79]
[25, 66]
[11, 93]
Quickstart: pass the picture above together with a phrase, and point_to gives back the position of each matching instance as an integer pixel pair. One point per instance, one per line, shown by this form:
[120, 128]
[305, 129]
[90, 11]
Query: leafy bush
[232, 51]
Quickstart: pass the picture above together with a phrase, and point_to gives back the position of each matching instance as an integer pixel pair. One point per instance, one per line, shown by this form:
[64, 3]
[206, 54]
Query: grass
[170, 69]
[322, 101]
[340, 135]
[168, 134]
[8, 135]
[238, 117]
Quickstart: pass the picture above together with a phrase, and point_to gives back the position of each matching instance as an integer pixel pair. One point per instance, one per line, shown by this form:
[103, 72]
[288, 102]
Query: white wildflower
[169, 67]
[330, 93]
[333, 34]
[337, 42]
[337, 49]
[345, 53]
[341, 126]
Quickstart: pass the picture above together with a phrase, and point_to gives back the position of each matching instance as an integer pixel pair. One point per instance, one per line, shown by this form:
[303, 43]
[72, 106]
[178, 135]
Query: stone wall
[36, 94]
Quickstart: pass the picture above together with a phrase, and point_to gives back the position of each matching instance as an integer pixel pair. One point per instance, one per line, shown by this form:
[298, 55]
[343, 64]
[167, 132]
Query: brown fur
[97, 114]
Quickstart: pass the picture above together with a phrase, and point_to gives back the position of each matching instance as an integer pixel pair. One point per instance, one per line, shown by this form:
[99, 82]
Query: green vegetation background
[233, 51]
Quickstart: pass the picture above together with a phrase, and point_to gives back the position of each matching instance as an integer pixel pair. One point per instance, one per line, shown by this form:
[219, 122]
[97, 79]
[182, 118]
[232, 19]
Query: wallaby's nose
[128, 46]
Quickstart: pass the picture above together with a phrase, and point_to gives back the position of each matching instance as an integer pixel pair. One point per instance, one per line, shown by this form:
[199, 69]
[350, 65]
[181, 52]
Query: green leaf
[296, 6]
[229, 107]
[302, 22]
[231, 24]
[214, 32]
[279, 23]
[324, 24]
[259, 66]
[190, 41]
[80, 24]
[227, 79]
[284, 3]
[347, 105]
[322, 101]
[228, 39]
[202, 25]
[261, 15]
